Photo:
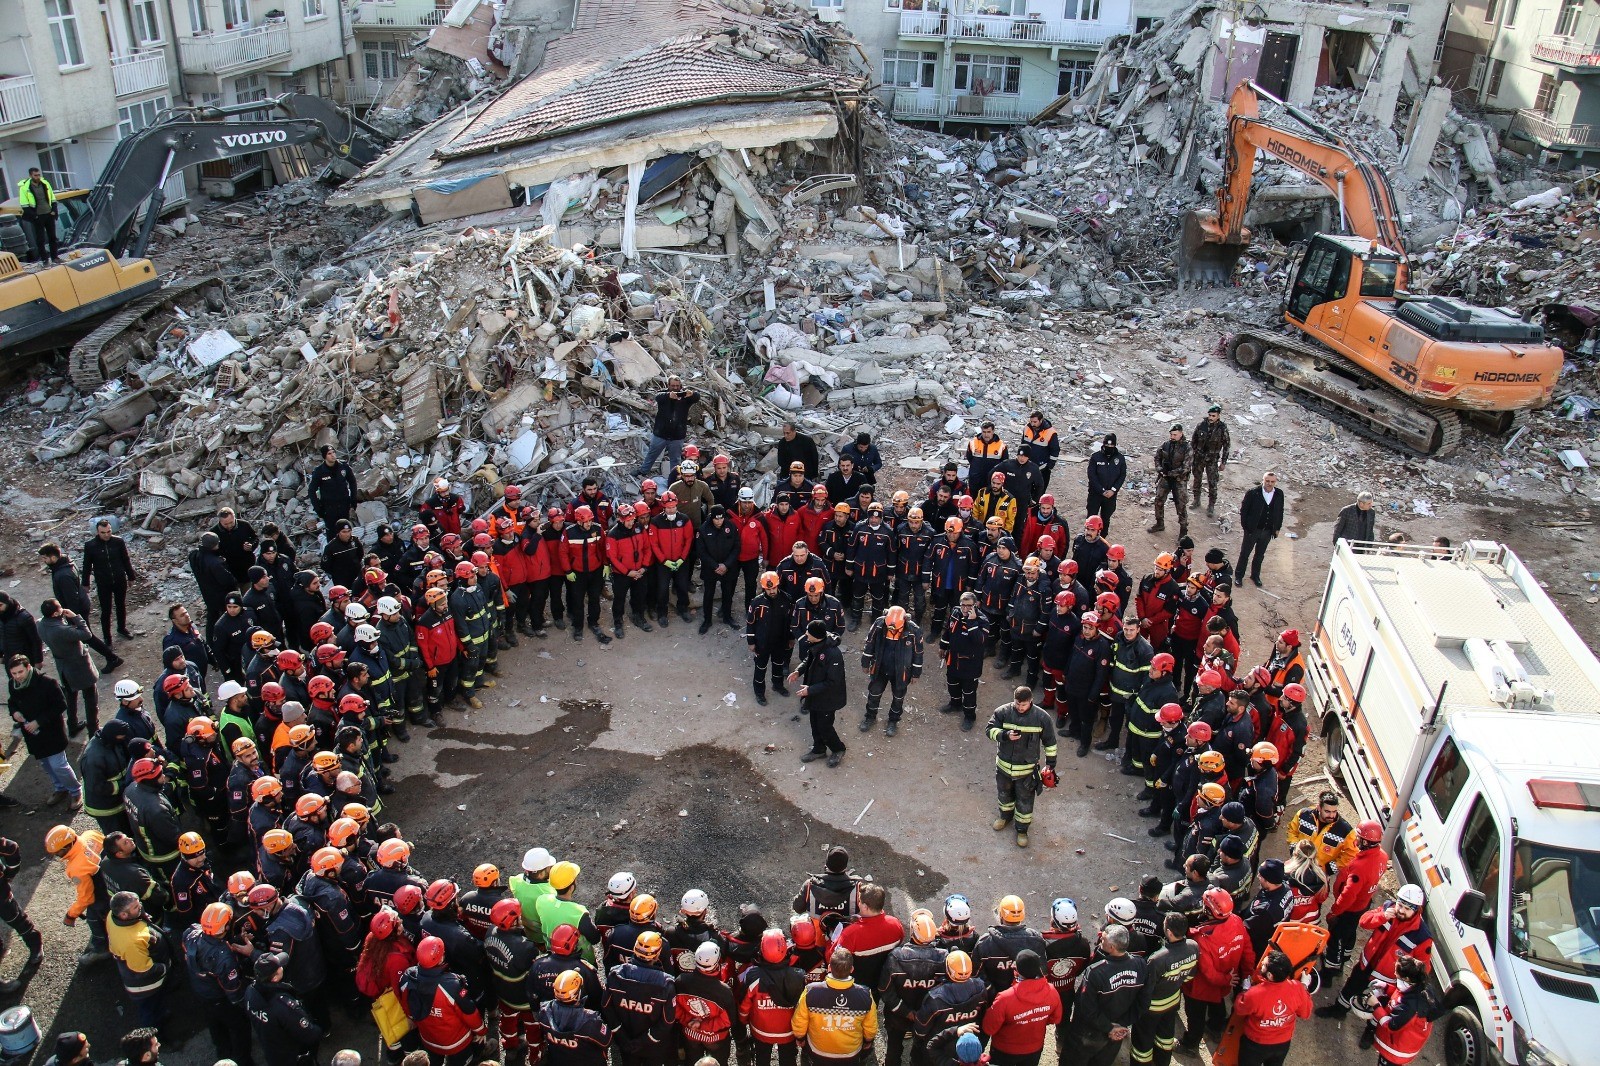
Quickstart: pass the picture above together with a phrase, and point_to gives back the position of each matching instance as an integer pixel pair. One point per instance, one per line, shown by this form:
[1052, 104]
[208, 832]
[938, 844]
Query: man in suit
[106, 563]
[1260, 517]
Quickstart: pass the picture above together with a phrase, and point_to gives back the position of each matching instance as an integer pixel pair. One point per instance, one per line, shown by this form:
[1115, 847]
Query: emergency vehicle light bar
[1565, 795]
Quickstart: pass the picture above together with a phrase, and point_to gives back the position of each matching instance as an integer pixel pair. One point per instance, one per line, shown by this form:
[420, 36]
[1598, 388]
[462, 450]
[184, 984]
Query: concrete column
[1379, 103]
[1303, 79]
[1425, 127]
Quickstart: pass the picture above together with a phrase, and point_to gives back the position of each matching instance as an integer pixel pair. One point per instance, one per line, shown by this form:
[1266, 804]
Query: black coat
[718, 547]
[107, 561]
[1107, 470]
[822, 671]
[215, 579]
[1355, 524]
[238, 547]
[67, 588]
[672, 416]
[43, 703]
[1256, 515]
[19, 635]
[802, 449]
[66, 642]
[332, 489]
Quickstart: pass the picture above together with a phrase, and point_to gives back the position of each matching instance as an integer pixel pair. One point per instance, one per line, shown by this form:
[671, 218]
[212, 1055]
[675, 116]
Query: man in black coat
[1260, 518]
[332, 486]
[238, 543]
[211, 573]
[67, 635]
[19, 635]
[73, 596]
[670, 428]
[106, 562]
[798, 447]
[38, 705]
[822, 690]
[1107, 471]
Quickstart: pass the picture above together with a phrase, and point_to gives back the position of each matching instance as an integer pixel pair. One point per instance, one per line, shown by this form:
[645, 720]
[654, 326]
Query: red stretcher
[1304, 944]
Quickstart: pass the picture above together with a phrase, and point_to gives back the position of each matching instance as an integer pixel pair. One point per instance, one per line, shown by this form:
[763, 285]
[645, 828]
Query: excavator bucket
[1203, 258]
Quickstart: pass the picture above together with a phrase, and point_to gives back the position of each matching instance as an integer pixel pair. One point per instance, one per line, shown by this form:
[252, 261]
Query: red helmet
[175, 684]
[384, 923]
[329, 655]
[440, 894]
[1295, 693]
[1261, 675]
[513, 492]
[272, 692]
[564, 941]
[374, 576]
[774, 948]
[408, 899]
[1065, 599]
[1107, 601]
[321, 687]
[481, 525]
[1370, 831]
[483, 540]
[430, 953]
[450, 542]
[804, 930]
[480, 559]
[1210, 678]
[1094, 522]
[320, 633]
[419, 532]
[1046, 541]
[352, 703]
[1107, 580]
[555, 512]
[289, 662]
[146, 769]
[1198, 733]
[669, 497]
[464, 569]
[506, 914]
[1163, 662]
[1068, 567]
[965, 503]
[1169, 714]
[1116, 553]
[338, 592]
[1217, 902]
[585, 513]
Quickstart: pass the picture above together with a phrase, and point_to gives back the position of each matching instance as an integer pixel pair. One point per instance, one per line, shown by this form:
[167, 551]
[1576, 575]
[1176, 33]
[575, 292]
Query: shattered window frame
[1007, 83]
[923, 68]
[1076, 72]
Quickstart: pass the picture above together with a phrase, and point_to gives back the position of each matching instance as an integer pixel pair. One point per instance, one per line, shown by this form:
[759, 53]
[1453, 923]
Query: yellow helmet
[1011, 910]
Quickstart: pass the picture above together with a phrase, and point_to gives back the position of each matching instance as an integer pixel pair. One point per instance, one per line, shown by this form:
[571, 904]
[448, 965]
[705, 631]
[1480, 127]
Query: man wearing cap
[280, 1021]
[1172, 463]
[671, 426]
[72, 1049]
[1270, 906]
[332, 488]
[796, 447]
[865, 454]
[1260, 520]
[1023, 481]
[1210, 445]
[822, 690]
[442, 509]
[1106, 474]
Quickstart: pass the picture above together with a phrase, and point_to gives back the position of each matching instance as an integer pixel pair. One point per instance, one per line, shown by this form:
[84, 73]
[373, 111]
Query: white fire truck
[1462, 710]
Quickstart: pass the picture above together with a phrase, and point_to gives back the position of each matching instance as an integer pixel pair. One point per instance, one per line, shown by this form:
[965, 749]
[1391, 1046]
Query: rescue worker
[217, 977]
[144, 957]
[1109, 999]
[830, 897]
[442, 509]
[440, 651]
[962, 641]
[558, 907]
[628, 556]
[1351, 891]
[619, 941]
[584, 546]
[833, 544]
[153, 817]
[101, 769]
[953, 562]
[1267, 1011]
[338, 922]
[476, 905]
[1403, 1018]
[474, 628]
[570, 1033]
[707, 1013]
[1144, 730]
[984, 452]
[837, 1018]
[510, 955]
[1399, 929]
[768, 993]
[910, 972]
[953, 1005]
[1335, 839]
[993, 501]
[1271, 905]
[766, 632]
[1172, 464]
[206, 775]
[640, 1005]
[872, 562]
[998, 948]
[1156, 600]
[718, 547]
[1025, 621]
[529, 885]
[1087, 666]
[1225, 957]
[1022, 733]
[913, 538]
[672, 534]
[1167, 970]
[1210, 445]
[891, 657]
[1018, 1016]
[1161, 764]
[1286, 665]
[441, 1006]
[692, 929]
[194, 884]
[1288, 734]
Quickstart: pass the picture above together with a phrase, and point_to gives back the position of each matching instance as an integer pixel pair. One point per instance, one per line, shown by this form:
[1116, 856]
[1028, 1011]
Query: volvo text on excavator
[105, 295]
[1399, 368]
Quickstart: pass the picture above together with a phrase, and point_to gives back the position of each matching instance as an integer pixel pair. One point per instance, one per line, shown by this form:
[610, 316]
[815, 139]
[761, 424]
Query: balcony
[1567, 52]
[140, 72]
[917, 107]
[235, 51]
[399, 15]
[364, 92]
[1005, 29]
[19, 103]
[1553, 135]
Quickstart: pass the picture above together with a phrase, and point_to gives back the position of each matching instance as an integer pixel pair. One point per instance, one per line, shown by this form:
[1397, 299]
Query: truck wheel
[1336, 746]
[1464, 1039]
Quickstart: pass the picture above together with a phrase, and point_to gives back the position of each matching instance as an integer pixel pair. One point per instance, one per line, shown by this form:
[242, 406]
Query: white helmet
[365, 634]
[622, 883]
[695, 902]
[1411, 894]
[1064, 912]
[225, 692]
[1121, 910]
[687, 467]
[441, 484]
[126, 689]
[388, 605]
[957, 909]
[536, 859]
[707, 957]
[354, 613]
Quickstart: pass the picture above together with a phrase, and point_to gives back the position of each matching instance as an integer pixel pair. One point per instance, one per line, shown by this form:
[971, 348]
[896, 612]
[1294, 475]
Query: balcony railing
[1567, 52]
[1554, 135]
[19, 102]
[364, 91]
[964, 108]
[1005, 29]
[399, 14]
[140, 72]
[233, 51]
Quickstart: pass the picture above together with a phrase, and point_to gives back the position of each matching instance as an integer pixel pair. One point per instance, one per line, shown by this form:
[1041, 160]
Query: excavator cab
[1332, 264]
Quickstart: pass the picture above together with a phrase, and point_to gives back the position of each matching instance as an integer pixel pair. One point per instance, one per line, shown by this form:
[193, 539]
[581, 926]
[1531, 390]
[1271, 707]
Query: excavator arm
[142, 163]
[1213, 240]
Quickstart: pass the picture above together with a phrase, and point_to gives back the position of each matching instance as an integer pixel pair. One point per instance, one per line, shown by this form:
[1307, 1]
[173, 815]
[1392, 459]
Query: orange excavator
[1402, 369]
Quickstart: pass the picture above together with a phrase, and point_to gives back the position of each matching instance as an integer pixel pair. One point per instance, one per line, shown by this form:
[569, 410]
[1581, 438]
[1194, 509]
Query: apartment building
[1534, 67]
[385, 33]
[979, 62]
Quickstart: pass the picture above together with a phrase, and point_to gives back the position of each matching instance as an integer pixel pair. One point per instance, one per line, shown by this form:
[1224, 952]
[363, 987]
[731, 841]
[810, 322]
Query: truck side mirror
[1470, 908]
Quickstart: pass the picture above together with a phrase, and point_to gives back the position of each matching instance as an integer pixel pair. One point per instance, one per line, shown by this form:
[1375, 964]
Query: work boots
[599, 634]
[640, 624]
[1160, 525]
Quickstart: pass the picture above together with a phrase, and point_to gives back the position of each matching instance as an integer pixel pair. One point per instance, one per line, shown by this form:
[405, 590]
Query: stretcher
[1304, 944]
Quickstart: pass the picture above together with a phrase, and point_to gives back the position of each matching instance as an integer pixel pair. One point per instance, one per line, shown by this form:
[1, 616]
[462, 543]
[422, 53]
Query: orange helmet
[486, 875]
[1011, 910]
[894, 620]
[201, 726]
[1165, 561]
[568, 986]
[642, 909]
[1266, 751]
[191, 844]
[435, 597]
[324, 760]
[953, 525]
[769, 581]
[815, 585]
[326, 861]
[343, 832]
[357, 813]
[958, 966]
[393, 853]
[1210, 762]
[215, 919]
[240, 883]
[309, 804]
[243, 746]
[265, 787]
[302, 735]
[647, 945]
[1213, 793]
[923, 927]
[277, 841]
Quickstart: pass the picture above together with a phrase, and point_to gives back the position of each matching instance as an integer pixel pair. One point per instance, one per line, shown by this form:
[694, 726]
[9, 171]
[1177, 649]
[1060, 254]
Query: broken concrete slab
[891, 349]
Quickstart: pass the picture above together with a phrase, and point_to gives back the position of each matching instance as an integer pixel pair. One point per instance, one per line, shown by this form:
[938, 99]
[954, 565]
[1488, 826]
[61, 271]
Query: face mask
[1404, 986]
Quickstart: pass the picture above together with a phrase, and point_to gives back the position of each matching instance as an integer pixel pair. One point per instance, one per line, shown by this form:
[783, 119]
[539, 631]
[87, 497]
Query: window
[1438, 48]
[64, 33]
[381, 59]
[827, 3]
[982, 75]
[1511, 12]
[1490, 10]
[1446, 779]
[197, 16]
[1545, 98]
[907, 69]
[135, 117]
[236, 13]
[1072, 75]
[249, 89]
[53, 163]
[1149, 22]
[1084, 10]
[1497, 73]
[1567, 21]
[1480, 852]
[313, 9]
[145, 21]
[1480, 64]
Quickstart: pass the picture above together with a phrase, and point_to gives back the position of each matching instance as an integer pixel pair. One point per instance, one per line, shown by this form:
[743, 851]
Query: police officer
[278, 1017]
[962, 641]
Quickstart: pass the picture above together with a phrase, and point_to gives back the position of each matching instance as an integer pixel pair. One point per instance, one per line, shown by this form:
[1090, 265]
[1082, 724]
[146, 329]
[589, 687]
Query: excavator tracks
[103, 354]
[1345, 393]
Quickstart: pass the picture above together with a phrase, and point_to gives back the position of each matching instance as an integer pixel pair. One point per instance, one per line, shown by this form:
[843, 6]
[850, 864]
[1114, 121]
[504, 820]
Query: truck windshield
[1556, 907]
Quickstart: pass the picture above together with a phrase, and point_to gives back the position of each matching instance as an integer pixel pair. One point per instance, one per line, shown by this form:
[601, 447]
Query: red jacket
[811, 523]
[1353, 886]
[1402, 1027]
[782, 531]
[445, 512]
[1226, 956]
[436, 639]
[586, 548]
[770, 1022]
[871, 938]
[452, 1019]
[599, 505]
[1390, 937]
[551, 559]
[510, 564]
[672, 537]
[752, 537]
[1055, 527]
[1153, 603]
[1269, 1010]
[379, 973]
[1019, 1016]
[628, 549]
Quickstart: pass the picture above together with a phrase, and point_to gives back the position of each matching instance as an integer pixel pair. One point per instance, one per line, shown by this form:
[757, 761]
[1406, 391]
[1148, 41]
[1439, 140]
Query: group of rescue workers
[285, 890]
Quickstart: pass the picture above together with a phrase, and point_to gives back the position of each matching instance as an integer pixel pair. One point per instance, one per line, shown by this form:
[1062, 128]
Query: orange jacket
[83, 866]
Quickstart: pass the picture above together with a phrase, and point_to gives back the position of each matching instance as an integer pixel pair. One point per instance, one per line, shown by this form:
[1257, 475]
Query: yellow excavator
[104, 294]
[1396, 367]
